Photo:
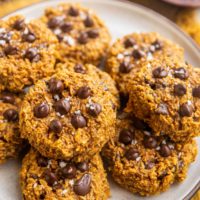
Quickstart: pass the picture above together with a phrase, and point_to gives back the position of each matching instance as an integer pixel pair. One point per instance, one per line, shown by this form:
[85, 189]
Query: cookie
[165, 93]
[43, 178]
[96, 74]
[10, 141]
[68, 116]
[144, 163]
[27, 52]
[82, 34]
[126, 55]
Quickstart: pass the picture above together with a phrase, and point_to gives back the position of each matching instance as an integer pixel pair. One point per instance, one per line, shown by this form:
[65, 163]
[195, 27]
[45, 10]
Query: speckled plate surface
[122, 18]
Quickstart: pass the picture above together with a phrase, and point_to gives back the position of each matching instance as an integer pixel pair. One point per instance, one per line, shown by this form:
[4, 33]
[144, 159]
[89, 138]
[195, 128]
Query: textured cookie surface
[43, 178]
[144, 163]
[27, 52]
[68, 116]
[82, 35]
[10, 142]
[166, 94]
[126, 55]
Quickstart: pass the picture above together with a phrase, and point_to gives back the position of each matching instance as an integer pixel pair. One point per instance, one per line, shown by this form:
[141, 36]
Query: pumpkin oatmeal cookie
[144, 163]
[44, 178]
[10, 141]
[68, 116]
[126, 55]
[82, 34]
[166, 94]
[27, 52]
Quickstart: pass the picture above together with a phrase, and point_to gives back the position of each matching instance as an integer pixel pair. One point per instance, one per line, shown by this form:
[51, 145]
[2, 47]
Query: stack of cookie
[55, 98]
[154, 143]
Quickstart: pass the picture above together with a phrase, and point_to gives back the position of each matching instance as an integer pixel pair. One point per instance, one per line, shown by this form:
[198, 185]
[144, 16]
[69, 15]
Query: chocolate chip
[19, 24]
[55, 86]
[157, 45]
[42, 161]
[66, 27]
[83, 185]
[83, 166]
[57, 186]
[162, 109]
[41, 110]
[159, 72]
[149, 165]
[125, 136]
[78, 121]
[196, 92]
[11, 115]
[62, 106]
[179, 90]
[89, 22]
[55, 126]
[10, 50]
[83, 38]
[60, 38]
[54, 22]
[181, 73]
[32, 54]
[78, 68]
[94, 33]
[165, 151]
[84, 92]
[5, 36]
[68, 171]
[139, 124]
[125, 67]
[132, 154]
[138, 54]
[150, 142]
[129, 42]
[50, 177]
[42, 196]
[186, 110]
[28, 37]
[73, 11]
[7, 98]
[94, 109]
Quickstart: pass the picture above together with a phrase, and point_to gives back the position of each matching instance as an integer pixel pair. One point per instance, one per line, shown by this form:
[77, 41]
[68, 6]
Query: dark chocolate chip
[19, 24]
[83, 185]
[94, 109]
[41, 110]
[165, 151]
[54, 22]
[5, 36]
[32, 54]
[150, 142]
[159, 72]
[132, 154]
[139, 124]
[62, 106]
[42, 161]
[60, 38]
[196, 92]
[83, 166]
[125, 67]
[89, 22]
[179, 90]
[78, 121]
[7, 98]
[162, 109]
[78, 68]
[129, 42]
[66, 27]
[149, 165]
[83, 38]
[42, 196]
[11, 115]
[181, 73]
[186, 110]
[29, 37]
[50, 177]
[157, 45]
[55, 126]
[68, 171]
[94, 33]
[138, 54]
[55, 86]
[73, 11]
[10, 50]
[125, 136]
[84, 92]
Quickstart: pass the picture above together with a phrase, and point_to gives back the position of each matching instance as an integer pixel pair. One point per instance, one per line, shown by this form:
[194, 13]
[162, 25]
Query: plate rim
[193, 191]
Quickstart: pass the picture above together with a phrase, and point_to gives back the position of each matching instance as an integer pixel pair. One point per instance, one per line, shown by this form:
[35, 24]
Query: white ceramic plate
[121, 18]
